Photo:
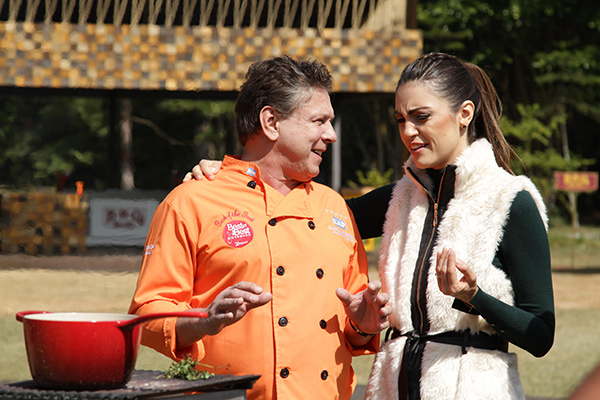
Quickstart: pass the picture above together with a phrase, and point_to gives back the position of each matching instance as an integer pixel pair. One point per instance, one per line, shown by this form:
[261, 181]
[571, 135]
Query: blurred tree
[171, 136]
[370, 140]
[531, 137]
[42, 137]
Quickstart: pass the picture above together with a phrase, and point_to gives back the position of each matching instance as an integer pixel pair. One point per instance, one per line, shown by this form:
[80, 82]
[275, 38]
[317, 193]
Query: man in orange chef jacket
[273, 258]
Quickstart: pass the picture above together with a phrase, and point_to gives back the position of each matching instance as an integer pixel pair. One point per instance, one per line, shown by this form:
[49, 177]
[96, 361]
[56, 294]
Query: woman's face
[429, 129]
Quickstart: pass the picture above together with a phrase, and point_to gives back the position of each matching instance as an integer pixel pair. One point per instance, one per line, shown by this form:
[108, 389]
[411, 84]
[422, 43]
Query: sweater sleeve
[525, 256]
[369, 210]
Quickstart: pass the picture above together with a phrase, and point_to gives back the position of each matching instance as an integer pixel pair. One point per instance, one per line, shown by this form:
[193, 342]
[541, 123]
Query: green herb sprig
[186, 369]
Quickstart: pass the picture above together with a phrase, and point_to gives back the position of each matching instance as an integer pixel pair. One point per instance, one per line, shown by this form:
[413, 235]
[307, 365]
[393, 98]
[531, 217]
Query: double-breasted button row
[285, 372]
[281, 271]
[283, 321]
[273, 222]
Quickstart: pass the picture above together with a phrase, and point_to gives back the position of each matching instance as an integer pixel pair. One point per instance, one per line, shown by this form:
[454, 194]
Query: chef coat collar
[295, 204]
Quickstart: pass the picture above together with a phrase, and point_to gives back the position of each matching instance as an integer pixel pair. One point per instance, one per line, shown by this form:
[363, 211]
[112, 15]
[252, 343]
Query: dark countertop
[143, 384]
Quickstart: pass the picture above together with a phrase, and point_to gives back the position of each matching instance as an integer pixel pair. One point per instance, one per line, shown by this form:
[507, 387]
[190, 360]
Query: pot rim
[80, 317]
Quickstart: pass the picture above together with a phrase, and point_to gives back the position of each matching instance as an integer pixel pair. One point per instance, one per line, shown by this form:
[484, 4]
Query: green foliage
[369, 136]
[517, 41]
[570, 77]
[567, 64]
[178, 133]
[372, 178]
[544, 61]
[41, 137]
[187, 369]
[214, 116]
[531, 137]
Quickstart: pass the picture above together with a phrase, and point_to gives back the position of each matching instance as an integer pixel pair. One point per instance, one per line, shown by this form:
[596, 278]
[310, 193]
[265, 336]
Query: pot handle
[21, 314]
[148, 317]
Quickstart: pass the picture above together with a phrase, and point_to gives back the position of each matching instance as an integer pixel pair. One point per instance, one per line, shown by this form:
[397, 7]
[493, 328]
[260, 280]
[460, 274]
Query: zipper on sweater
[434, 222]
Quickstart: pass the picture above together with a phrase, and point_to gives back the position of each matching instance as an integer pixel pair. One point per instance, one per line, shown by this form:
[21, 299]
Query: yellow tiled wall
[44, 223]
[150, 57]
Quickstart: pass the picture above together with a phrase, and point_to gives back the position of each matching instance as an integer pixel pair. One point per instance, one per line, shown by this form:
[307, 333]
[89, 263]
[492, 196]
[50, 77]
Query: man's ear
[269, 120]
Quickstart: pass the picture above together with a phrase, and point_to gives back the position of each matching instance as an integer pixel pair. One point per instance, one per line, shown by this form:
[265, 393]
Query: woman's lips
[415, 148]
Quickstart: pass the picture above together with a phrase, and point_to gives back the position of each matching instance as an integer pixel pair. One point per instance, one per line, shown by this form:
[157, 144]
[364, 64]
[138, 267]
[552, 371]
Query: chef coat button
[323, 324]
[324, 375]
[320, 273]
[273, 222]
[284, 373]
[251, 184]
[283, 321]
[280, 270]
[311, 224]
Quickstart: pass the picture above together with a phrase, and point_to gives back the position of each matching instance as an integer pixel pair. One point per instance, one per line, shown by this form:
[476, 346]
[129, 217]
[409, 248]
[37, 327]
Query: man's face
[304, 136]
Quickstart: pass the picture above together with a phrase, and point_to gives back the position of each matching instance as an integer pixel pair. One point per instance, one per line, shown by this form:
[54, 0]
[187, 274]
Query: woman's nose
[409, 130]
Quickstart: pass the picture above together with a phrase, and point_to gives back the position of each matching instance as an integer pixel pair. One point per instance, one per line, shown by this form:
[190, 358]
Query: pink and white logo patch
[237, 233]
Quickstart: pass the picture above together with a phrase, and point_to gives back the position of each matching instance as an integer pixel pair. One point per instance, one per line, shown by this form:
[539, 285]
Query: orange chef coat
[207, 236]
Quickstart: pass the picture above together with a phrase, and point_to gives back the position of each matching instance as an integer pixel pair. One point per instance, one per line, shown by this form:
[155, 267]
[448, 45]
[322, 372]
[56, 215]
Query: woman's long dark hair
[458, 82]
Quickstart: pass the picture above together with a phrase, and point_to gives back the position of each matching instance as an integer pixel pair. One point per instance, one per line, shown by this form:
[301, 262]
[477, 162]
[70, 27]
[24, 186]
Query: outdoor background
[544, 60]
[543, 57]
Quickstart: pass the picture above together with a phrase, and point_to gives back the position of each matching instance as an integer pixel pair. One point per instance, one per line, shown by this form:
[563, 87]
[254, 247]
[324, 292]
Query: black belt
[463, 339]
[410, 371]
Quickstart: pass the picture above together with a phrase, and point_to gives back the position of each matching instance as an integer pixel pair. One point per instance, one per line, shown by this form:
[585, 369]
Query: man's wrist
[361, 333]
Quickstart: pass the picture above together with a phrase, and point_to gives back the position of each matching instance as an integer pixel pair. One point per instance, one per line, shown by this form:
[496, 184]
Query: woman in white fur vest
[464, 255]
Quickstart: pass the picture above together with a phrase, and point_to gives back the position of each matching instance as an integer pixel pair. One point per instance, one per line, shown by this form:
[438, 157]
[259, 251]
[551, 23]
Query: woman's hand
[205, 168]
[447, 278]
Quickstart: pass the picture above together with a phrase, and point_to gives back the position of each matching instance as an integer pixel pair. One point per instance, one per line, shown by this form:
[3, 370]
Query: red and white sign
[237, 233]
[121, 217]
[576, 181]
[120, 222]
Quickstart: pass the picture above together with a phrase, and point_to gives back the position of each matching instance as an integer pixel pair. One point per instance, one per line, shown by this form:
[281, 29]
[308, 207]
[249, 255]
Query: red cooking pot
[85, 350]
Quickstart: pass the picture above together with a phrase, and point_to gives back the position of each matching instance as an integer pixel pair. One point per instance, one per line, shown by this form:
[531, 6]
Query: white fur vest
[473, 226]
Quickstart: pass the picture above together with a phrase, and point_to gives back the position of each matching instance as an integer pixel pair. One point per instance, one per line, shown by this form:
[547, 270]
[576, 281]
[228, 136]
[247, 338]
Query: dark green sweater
[524, 255]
